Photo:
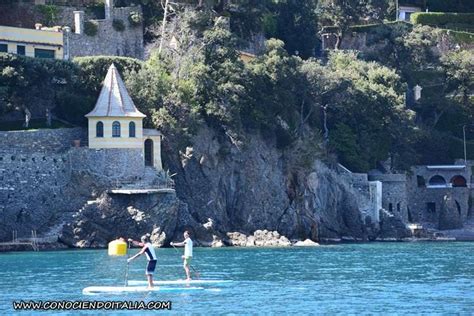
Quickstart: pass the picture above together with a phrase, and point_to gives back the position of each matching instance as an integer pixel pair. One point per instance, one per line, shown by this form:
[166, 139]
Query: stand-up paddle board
[178, 282]
[91, 290]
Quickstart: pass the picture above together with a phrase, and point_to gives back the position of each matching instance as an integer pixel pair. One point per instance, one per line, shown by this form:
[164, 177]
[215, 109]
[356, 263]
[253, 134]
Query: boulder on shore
[306, 243]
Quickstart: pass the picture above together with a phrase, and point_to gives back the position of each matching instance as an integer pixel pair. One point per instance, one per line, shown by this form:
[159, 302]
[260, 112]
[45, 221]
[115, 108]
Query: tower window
[131, 129]
[116, 129]
[99, 130]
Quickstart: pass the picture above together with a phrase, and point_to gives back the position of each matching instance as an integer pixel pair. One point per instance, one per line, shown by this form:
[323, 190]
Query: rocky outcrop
[450, 214]
[392, 227]
[248, 188]
[113, 216]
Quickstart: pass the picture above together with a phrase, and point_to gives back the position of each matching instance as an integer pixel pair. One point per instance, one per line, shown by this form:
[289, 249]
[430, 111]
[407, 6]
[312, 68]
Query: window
[390, 207]
[44, 53]
[131, 129]
[458, 181]
[407, 16]
[3, 48]
[431, 207]
[420, 181]
[437, 180]
[99, 130]
[20, 50]
[115, 129]
[149, 152]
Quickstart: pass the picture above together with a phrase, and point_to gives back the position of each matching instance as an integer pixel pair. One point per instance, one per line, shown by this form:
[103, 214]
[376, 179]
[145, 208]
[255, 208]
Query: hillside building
[120, 33]
[42, 43]
[115, 122]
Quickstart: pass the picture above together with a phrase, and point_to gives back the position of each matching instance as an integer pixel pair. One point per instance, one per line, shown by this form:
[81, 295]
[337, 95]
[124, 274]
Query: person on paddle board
[188, 253]
[147, 249]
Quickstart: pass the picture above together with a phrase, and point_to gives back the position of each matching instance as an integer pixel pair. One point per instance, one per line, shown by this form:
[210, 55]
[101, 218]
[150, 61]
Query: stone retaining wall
[108, 41]
[43, 177]
[36, 141]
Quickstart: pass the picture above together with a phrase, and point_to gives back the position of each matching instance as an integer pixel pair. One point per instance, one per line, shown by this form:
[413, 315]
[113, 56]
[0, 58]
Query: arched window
[149, 152]
[131, 129]
[459, 181]
[437, 180]
[116, 129]
[99, 129]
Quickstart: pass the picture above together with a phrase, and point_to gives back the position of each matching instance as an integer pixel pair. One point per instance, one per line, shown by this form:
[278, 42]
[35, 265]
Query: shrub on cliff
[91, 28]
[118, 25]
[462, 21]
[135, 18]
[49, 14]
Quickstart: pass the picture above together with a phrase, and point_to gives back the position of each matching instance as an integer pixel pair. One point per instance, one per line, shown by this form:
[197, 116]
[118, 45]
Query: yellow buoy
[117, 247]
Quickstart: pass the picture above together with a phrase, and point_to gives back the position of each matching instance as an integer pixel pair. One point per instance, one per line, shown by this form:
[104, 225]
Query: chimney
[38, 26]
[109, 7]
[79, 22]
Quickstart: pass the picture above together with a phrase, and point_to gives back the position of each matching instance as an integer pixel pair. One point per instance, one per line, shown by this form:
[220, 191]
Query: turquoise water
[377, 278]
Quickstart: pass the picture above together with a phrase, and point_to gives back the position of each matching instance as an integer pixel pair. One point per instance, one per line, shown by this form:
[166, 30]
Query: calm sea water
[377, 278]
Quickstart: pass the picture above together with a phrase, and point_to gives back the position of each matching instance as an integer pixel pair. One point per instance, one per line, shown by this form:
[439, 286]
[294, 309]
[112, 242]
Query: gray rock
[450, 214]
[306, 243]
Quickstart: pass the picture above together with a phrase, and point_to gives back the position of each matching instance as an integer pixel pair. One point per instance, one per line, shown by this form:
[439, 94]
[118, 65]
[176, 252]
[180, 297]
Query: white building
[115, 122]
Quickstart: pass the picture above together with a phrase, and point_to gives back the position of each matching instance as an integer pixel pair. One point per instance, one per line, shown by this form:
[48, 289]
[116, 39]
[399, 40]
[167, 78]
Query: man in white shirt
[188, 253]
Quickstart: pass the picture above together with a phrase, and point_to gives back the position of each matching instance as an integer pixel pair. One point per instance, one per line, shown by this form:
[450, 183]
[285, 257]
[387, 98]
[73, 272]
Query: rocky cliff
[232, 189]
[226, 194]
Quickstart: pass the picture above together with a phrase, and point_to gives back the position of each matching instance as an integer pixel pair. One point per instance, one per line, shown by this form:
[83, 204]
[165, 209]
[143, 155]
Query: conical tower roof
[114, 99]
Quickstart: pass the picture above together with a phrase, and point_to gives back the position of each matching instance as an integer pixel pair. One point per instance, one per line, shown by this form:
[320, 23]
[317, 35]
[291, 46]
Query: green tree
[322, 89]
[246, 16]
[296, 26]
[274, 92]
[218, 77]
[33, 83]
[340, 14]
[458, 67]
[169, 104]
[372, 112]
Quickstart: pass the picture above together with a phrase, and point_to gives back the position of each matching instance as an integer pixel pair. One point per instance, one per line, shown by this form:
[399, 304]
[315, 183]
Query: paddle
[196, 273]
[126, 269]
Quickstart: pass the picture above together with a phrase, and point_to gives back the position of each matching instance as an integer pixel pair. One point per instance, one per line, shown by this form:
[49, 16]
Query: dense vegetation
[348, 104]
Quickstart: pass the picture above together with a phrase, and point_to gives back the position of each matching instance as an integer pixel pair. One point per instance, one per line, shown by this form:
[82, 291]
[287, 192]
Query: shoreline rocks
[305, 243]
[260, 238]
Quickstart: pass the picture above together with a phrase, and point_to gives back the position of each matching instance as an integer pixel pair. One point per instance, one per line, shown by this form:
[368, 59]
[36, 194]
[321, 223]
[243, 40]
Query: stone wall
[394, 193]
[369, 197]
[35, 141]
[421, 212]
[112, 164]
[43, 178]
[429, 203]
[108, 41]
